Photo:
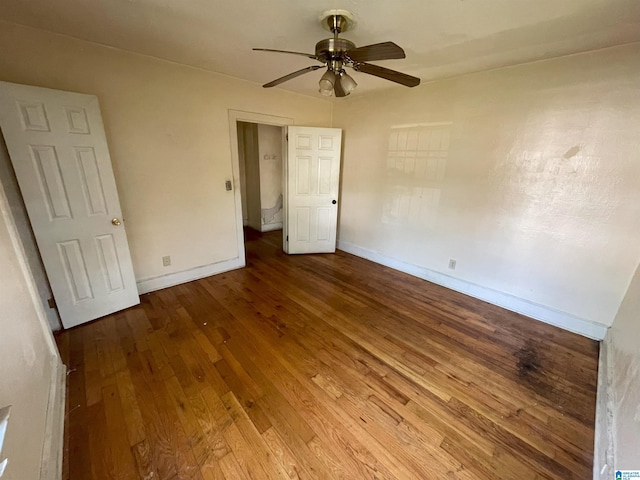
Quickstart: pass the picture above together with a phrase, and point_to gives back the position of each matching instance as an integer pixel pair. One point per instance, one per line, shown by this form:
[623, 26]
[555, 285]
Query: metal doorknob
[115, 221]
[334, 201]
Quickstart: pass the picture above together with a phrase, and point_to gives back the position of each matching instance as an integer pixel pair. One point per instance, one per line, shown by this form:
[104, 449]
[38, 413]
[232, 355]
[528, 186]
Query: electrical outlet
[166, 261]
[452, 264]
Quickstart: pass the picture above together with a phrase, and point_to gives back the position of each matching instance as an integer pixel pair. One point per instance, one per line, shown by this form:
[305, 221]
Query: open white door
[59, 152]
[312, 180]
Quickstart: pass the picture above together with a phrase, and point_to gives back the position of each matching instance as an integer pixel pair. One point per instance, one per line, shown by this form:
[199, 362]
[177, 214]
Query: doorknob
[115, 221]
[334, 201]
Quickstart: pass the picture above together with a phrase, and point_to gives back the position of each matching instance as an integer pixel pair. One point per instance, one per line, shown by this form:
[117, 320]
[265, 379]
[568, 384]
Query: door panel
[312, 176]
[58, 148]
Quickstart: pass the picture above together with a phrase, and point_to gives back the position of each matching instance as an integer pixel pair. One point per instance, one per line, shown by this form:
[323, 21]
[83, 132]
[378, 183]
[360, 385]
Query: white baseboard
[52, 449]
[536, 311]
[270, 227]
[147, 285]
[603, 439]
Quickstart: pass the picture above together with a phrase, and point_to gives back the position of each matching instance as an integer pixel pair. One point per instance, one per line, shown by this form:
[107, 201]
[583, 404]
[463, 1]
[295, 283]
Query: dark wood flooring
[325, 367]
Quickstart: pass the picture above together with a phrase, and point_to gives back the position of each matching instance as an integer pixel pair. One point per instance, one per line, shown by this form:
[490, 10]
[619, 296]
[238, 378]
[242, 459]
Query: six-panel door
[312, 183]
[58, 148]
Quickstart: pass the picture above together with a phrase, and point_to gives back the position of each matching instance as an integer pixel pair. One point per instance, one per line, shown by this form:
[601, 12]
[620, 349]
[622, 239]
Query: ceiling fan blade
[308, 55]
[378, 51]
[295, 74]
[388, 74]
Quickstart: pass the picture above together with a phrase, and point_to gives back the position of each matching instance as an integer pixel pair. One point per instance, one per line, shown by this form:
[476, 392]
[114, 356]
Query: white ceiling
[441, 37]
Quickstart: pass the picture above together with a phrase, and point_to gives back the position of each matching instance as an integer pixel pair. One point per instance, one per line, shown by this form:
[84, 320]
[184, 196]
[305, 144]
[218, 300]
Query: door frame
[251, 117]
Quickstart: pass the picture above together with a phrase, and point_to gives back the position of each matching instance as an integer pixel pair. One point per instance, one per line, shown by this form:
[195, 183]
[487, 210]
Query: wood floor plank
[157, 427]
[124, 465]
[324, 367]
[78, 453]
[130, 409]
[243, 453]
[144, 462]
[231, 468]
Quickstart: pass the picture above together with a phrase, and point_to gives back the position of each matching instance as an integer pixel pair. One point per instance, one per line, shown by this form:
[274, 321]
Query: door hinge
[287, 238]
[287, 137]
[52, 303]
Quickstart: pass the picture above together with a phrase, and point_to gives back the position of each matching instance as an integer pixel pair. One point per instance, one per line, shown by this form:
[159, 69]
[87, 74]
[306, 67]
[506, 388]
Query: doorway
[257, 152]
[260, 157]
[309, 187]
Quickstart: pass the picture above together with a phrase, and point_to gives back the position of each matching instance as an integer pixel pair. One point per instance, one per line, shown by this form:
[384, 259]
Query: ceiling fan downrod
[337, 24]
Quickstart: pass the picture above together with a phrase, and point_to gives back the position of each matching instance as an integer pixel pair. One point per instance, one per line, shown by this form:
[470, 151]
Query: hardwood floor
[326, 367]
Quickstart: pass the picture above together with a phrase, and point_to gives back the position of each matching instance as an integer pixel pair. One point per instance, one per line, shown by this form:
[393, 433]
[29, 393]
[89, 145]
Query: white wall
[270, 154]
[28, 357]
[624, 345]
[528, 176]
[168, 131]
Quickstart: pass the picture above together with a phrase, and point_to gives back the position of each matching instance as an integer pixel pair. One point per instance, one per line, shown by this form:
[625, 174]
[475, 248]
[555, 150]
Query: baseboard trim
[603, 462]
[510, 302]
[52, 449]
[152, 284]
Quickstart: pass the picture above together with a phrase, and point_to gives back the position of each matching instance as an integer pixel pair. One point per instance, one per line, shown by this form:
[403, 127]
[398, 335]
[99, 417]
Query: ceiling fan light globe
[327, 80]
[348, 83]
[325, 85]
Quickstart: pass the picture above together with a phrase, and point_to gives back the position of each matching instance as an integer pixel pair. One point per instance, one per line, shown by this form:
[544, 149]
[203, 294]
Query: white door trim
[240, 116]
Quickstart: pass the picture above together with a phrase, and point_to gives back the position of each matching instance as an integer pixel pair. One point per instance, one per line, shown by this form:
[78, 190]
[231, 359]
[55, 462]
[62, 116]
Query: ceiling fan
[336, 53]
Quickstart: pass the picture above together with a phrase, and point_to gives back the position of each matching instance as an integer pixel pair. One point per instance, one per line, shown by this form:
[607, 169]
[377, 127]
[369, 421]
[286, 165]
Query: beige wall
[624, 345]
[27, 357]
[168, 133]
[529, 177]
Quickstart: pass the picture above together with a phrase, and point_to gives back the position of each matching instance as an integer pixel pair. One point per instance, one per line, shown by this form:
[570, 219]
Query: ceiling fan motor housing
[333, 48]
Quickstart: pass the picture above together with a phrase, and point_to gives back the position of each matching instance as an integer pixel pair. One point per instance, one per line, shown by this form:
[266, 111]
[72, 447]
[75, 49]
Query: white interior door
[312, 180]
[59, 152]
